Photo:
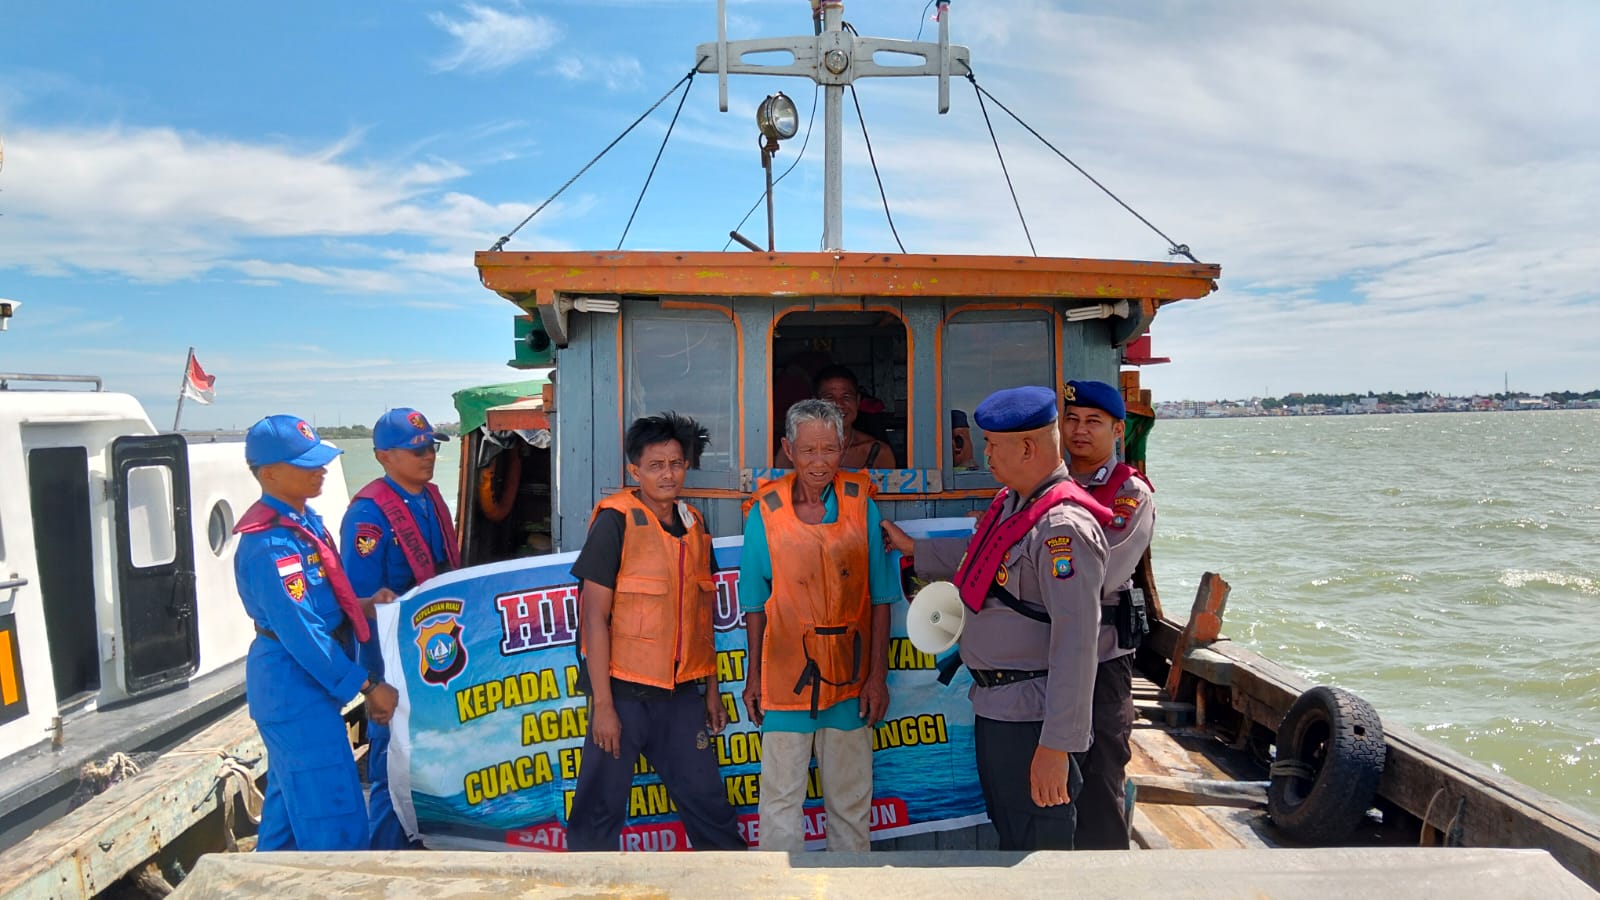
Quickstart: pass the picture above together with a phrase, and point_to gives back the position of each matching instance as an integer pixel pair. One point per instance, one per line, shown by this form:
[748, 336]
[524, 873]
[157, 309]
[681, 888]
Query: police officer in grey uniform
[1090, 430]
[1031, 647]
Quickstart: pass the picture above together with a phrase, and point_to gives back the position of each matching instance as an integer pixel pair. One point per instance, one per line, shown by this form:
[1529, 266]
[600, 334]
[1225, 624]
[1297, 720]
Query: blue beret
[1097, 395]
[1016, 409]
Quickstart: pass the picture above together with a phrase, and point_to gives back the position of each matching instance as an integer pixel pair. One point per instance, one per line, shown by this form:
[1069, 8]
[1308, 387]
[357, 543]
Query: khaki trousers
[844, 761]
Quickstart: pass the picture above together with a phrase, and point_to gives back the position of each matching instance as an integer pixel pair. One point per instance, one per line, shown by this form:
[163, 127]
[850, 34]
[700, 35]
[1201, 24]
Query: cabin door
[155, 560]
[63, 537]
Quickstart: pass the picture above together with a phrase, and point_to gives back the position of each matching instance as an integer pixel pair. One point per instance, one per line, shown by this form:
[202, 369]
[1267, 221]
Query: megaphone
[934, 620]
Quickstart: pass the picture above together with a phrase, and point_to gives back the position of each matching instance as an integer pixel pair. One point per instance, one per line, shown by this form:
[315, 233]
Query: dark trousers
[1102, 809]
[671, 733]
[1005, 756]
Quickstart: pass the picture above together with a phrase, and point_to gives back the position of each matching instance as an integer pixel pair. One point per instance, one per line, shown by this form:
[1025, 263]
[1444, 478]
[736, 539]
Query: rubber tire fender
[1338, 738]
[506, 469]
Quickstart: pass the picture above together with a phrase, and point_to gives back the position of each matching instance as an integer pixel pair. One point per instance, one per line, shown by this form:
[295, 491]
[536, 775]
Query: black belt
[998, 677]
[1108, 613]
[339, 634]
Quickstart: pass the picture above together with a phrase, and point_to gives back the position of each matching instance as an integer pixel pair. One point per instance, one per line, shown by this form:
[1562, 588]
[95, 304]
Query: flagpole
[181, 385]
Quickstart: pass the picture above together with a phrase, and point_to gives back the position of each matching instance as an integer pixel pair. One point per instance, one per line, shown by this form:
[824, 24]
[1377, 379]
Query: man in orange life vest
[814, 584]
[1031, 578]
[649, 649]
[1090, 428]
[302, 668]
[396, 534]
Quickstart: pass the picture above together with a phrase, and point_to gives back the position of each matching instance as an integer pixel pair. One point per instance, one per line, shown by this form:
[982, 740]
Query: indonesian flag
[197, 385]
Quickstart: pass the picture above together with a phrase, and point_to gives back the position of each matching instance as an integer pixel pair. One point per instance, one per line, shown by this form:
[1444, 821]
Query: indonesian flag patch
[293, 576]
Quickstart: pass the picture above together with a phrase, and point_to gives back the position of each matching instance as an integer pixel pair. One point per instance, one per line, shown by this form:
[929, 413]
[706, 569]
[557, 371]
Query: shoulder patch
[1060, 548]
[368, 534]
[772, 500]
[851, 489]
[639, 518]
[292, 573]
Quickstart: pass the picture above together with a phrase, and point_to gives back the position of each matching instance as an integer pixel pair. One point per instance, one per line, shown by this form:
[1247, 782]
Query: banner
[488, 736]
[197, 385]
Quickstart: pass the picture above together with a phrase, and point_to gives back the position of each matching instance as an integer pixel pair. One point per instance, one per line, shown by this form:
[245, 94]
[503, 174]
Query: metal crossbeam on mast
[832, 58]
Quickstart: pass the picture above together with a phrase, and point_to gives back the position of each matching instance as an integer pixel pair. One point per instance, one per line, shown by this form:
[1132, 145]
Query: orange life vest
[819, 618]
[662, 606]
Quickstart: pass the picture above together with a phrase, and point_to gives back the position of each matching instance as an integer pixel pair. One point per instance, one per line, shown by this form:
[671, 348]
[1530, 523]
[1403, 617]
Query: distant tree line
[362, 431]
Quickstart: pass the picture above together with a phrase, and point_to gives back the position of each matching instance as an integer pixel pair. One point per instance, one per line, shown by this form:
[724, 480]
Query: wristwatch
[370, 685]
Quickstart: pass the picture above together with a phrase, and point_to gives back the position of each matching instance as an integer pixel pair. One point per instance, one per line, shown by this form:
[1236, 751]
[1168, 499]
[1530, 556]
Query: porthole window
[219, 527]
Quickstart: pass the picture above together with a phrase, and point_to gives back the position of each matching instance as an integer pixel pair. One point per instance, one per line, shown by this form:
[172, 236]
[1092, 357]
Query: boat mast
[833, 58]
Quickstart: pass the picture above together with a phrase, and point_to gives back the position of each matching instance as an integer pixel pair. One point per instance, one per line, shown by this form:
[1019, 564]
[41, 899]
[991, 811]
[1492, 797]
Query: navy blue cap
[404, 429]
[287, 439]
[1097, 395]
[1016, 409]
[958, 418]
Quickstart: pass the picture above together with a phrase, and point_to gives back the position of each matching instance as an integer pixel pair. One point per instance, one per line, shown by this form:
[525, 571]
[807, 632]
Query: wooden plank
[1168, 791]
[1145, 835]
[92, 847]
[1168, 711]
[1204, 626]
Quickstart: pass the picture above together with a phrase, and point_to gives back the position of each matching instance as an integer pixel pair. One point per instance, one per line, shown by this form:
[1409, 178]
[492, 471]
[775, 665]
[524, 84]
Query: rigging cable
[886, 214]
[501, 243]
[1003, 170]
[1173, 247]
[803, 144]
[688, 86]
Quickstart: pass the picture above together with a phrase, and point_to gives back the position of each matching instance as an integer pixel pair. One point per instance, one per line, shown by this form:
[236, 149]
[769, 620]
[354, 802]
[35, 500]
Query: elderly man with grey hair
[814, 584]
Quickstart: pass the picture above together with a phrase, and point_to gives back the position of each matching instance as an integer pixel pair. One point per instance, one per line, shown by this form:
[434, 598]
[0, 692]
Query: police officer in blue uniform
[302, 667]
[407, 446]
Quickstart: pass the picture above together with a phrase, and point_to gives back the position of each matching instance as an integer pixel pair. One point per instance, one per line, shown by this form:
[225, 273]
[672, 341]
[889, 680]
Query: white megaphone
[934, 620]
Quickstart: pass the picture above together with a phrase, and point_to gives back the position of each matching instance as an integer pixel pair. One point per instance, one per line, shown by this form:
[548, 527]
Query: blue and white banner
[486, 742]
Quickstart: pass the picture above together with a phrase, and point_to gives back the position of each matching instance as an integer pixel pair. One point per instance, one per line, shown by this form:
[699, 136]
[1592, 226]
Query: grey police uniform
[1059, 568]
[1102, 820]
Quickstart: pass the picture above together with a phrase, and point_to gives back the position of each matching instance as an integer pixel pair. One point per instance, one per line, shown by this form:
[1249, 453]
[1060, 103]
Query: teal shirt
[755, 589]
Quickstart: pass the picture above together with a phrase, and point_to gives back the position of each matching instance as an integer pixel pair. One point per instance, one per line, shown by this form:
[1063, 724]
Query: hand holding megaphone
[935, 617]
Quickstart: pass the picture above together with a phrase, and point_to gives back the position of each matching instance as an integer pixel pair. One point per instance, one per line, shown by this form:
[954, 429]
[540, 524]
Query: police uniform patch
[1002, 576]
[305, 431]
[293, 576]
[1123, 509]
[417, 421]
[1060, 549]
[367, 537]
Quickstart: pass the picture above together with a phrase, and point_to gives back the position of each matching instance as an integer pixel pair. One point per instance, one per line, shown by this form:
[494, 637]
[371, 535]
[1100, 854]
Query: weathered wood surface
[113, 834]
[1499, 811]
[1203, 627]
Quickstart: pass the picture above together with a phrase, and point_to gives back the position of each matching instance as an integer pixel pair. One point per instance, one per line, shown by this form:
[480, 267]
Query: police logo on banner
[439, 638]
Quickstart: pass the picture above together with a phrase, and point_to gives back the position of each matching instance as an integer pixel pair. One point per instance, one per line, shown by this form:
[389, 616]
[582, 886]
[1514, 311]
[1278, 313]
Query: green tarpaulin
[472, 404]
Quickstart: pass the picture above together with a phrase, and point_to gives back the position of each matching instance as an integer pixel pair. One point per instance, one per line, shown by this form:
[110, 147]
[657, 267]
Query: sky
[1401, 196]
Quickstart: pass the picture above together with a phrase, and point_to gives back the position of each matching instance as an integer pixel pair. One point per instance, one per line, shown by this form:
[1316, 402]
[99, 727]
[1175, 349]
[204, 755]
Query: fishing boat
[1248, 780]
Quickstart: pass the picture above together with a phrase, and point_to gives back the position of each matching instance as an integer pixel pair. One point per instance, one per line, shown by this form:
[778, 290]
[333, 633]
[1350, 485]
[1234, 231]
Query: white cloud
[615, 72]
[487, 39]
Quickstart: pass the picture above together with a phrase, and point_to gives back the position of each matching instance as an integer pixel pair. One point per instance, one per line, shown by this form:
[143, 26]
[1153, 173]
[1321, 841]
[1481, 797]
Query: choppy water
[1446, 567]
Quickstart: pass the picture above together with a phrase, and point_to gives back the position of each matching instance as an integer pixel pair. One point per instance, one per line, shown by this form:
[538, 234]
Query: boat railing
[6, 378]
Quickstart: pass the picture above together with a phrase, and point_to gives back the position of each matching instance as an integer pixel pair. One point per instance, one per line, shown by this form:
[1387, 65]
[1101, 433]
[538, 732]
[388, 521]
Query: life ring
[1330, 757]
[505, 469]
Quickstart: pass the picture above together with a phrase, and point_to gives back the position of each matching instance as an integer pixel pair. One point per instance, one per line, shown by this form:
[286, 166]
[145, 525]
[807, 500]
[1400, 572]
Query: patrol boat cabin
[120, 628]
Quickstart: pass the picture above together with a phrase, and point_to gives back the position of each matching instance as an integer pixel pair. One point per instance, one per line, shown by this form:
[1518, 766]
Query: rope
[688, 85]
[1422, 833]
[1014, 201]
[501, 243]
[1173, 247]
[870, 158]
[1292, 768]
[803, 144]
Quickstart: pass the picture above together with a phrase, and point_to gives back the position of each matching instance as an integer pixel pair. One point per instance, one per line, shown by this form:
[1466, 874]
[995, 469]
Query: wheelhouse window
[868, 347]
[984, 352]
[686, 361]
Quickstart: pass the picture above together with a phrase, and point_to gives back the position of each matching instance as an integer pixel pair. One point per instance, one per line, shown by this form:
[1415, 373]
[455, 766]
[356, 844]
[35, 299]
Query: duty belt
[339, 634]
[998, 677]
